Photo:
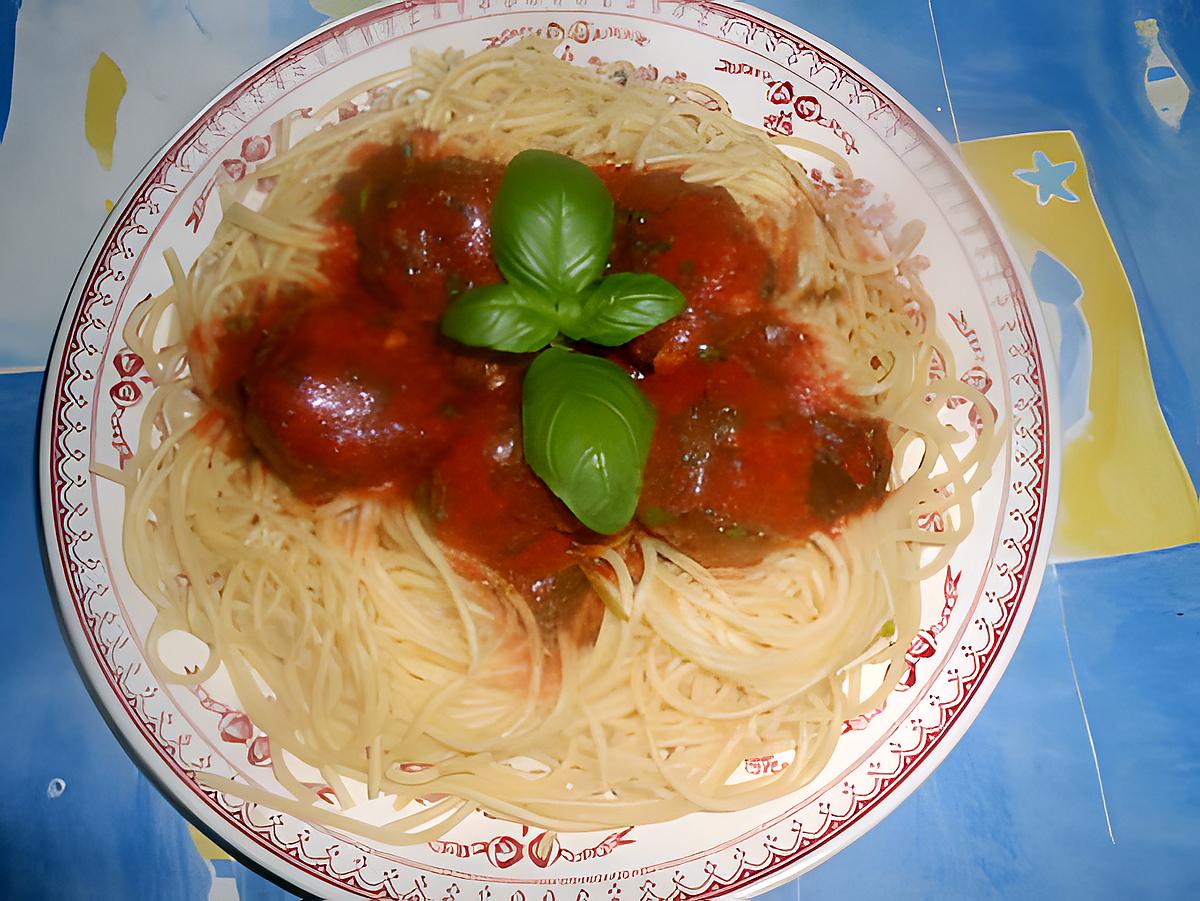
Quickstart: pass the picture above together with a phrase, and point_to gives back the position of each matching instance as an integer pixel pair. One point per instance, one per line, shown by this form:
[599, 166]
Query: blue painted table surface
[1016, 808]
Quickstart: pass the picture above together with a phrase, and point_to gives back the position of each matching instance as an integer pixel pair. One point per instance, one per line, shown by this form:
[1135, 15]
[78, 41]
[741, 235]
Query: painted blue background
[1015, 810]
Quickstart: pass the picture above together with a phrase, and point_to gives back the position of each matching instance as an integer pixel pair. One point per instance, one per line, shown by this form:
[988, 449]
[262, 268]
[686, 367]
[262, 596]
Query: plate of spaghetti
[493, 451]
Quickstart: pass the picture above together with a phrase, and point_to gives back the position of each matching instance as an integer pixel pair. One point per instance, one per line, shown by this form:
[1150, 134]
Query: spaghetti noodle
[363, 646]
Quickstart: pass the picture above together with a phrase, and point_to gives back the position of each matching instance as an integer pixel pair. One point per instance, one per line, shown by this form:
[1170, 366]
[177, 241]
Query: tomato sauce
[752, 447]
[348, 386]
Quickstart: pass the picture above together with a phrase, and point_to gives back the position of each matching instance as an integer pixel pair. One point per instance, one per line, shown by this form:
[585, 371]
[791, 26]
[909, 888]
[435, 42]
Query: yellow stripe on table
[1124, 487]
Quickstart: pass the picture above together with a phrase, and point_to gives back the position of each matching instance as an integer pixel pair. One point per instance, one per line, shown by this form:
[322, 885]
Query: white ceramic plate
[775, 76]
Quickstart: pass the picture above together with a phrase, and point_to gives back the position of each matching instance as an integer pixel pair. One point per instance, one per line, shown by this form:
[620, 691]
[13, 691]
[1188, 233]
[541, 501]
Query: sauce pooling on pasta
[347, 385]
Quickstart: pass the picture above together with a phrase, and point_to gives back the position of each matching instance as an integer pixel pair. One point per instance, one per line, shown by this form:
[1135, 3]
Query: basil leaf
[570, 310]
[506, 317]
[622, 307]
[552, 223]
[587, 430]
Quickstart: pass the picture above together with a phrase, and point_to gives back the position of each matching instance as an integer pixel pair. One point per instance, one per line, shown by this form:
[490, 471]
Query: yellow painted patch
[1147, 30]
[106, 88]
[335, 9]
[208, 849]
[1124, 487]
[108, 205]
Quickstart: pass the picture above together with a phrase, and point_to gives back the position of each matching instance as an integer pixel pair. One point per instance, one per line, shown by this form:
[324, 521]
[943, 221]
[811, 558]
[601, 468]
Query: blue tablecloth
[1040, 799]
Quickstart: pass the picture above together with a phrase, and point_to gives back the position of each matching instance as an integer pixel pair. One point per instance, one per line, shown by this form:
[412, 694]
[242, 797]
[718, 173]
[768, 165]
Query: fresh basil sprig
[552, 232]
[587, 426]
